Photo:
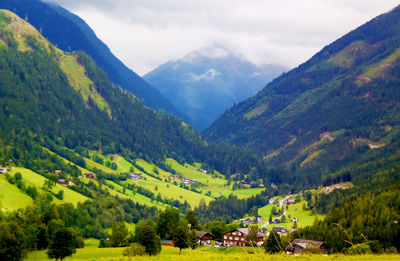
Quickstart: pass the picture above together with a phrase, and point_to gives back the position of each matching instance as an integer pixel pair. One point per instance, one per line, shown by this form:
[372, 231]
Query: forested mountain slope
[209, 81]
[63, 99]
[70, 33]
[340, 107]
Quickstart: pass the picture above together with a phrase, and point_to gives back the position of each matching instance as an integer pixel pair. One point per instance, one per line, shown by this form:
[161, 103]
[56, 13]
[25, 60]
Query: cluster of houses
[248, 221]
[189, 181]
[238, 237]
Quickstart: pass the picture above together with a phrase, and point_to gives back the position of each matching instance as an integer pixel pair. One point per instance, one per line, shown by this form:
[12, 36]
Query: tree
[273, 243]
[62, 244]
[192, 239]
[147, 237]
[252, 237]
[192, 220]
[217, 229]
[167, 222]
[12, 242]
[181, 238]
[118, 235]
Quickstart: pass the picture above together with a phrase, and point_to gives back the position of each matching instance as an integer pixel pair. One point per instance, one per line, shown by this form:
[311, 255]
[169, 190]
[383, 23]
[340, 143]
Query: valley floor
[234, 253]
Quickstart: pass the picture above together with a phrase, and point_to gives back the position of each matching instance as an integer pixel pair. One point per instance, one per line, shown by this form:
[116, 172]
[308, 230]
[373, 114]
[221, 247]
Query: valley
[97, 164]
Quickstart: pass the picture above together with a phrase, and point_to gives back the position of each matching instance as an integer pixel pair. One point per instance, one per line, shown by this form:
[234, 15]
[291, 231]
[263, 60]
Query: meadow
[234, 253]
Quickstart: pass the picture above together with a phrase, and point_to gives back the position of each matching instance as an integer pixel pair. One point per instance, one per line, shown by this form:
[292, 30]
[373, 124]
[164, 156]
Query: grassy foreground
[172, 254]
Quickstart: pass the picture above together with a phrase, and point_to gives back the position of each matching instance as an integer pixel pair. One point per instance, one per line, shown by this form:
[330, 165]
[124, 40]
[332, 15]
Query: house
[280, 230]
[295, 219]
[272, 200]
[204, 237]
[204, 171]
[89, 175]
[186, 180]
[298, 245]
[3, 170]
[238, 237]
[175, 177]
[167, 243]
[246, 221]
[135, 176]
[57, 172]
[259, 219]
[261, 185]
[276, 220]
[62, 182]
[290, 201]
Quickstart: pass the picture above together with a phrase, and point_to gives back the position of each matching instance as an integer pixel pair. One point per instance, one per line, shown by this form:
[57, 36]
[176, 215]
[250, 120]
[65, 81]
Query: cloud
[145, 34]
[207, 76]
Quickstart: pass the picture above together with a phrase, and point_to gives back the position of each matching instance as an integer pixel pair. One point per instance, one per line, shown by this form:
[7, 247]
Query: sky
[147, 33]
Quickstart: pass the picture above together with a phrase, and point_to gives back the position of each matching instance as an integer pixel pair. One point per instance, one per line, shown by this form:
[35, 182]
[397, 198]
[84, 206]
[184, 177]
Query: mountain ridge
[71, 33]
[206, 82]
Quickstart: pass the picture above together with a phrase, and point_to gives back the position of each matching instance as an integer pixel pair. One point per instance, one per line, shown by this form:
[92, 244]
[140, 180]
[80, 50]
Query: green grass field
[11, 197]
[34, 179]
[216, 185]
[295, 210]
[233, 253]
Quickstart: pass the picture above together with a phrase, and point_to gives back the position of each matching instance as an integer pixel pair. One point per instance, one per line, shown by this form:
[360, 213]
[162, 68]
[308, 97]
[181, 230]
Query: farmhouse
[246, 221]
[298, 245]
[57, 172]
[280, 230]
[272, 200]
[290, 201]
[238, 237]
[175, 177]
[3, 170]
[62, 182]
[135, 176]
[89, 175]
[204, 237]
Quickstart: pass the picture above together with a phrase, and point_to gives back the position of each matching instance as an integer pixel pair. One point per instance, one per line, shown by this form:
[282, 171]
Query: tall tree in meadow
[62, 244]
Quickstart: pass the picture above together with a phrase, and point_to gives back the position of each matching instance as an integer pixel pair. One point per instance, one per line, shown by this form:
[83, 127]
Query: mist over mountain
[205, 83]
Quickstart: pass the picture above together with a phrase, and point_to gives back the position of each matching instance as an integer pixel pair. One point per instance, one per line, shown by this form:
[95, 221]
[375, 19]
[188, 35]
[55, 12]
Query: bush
[359, 249]
[134, 249]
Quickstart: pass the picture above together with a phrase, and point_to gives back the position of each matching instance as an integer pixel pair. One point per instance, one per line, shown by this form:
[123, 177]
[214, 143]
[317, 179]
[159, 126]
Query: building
[295, 219]
[204, 237]
[175, 177]
[57, 172]
[272, 200]
[290, 201]
[238, 237]
[3, 170]
[246, 221]
[167, 243]
[62, 182]
[280, 230]
[135, 176]
[89, 175]
[299, 245]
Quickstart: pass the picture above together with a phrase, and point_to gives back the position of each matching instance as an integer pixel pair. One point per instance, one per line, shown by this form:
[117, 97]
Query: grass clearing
[34, 179]
[232, 253]
[11, 197]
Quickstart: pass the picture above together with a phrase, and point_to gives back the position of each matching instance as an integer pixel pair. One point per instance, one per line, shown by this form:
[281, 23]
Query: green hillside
[340, 107]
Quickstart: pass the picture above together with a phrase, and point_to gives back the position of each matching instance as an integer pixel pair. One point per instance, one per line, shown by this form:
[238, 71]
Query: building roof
[279, 229]
[201, 234]
[305, 243]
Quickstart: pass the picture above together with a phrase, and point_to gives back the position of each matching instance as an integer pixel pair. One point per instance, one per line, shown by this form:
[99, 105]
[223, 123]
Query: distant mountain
[341, 107]
[205, 83]
[70, 33]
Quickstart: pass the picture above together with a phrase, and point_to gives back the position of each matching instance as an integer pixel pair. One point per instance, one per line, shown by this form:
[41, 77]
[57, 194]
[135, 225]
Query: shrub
[134, 249]
[359, 249]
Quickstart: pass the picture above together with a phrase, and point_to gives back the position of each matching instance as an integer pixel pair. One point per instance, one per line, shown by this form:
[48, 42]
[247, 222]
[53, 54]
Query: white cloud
[207, 76]
[146, 33]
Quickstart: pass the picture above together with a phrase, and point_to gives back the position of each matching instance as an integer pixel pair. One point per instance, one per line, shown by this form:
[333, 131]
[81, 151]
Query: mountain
[63, 101]
[339, 108]
[70, 33]
[205, 83]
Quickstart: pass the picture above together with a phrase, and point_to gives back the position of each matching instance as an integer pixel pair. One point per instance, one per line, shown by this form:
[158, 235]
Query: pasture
[233, 253]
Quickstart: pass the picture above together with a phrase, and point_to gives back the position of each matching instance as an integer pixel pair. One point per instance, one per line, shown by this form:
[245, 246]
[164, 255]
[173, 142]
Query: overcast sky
[147, 33]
